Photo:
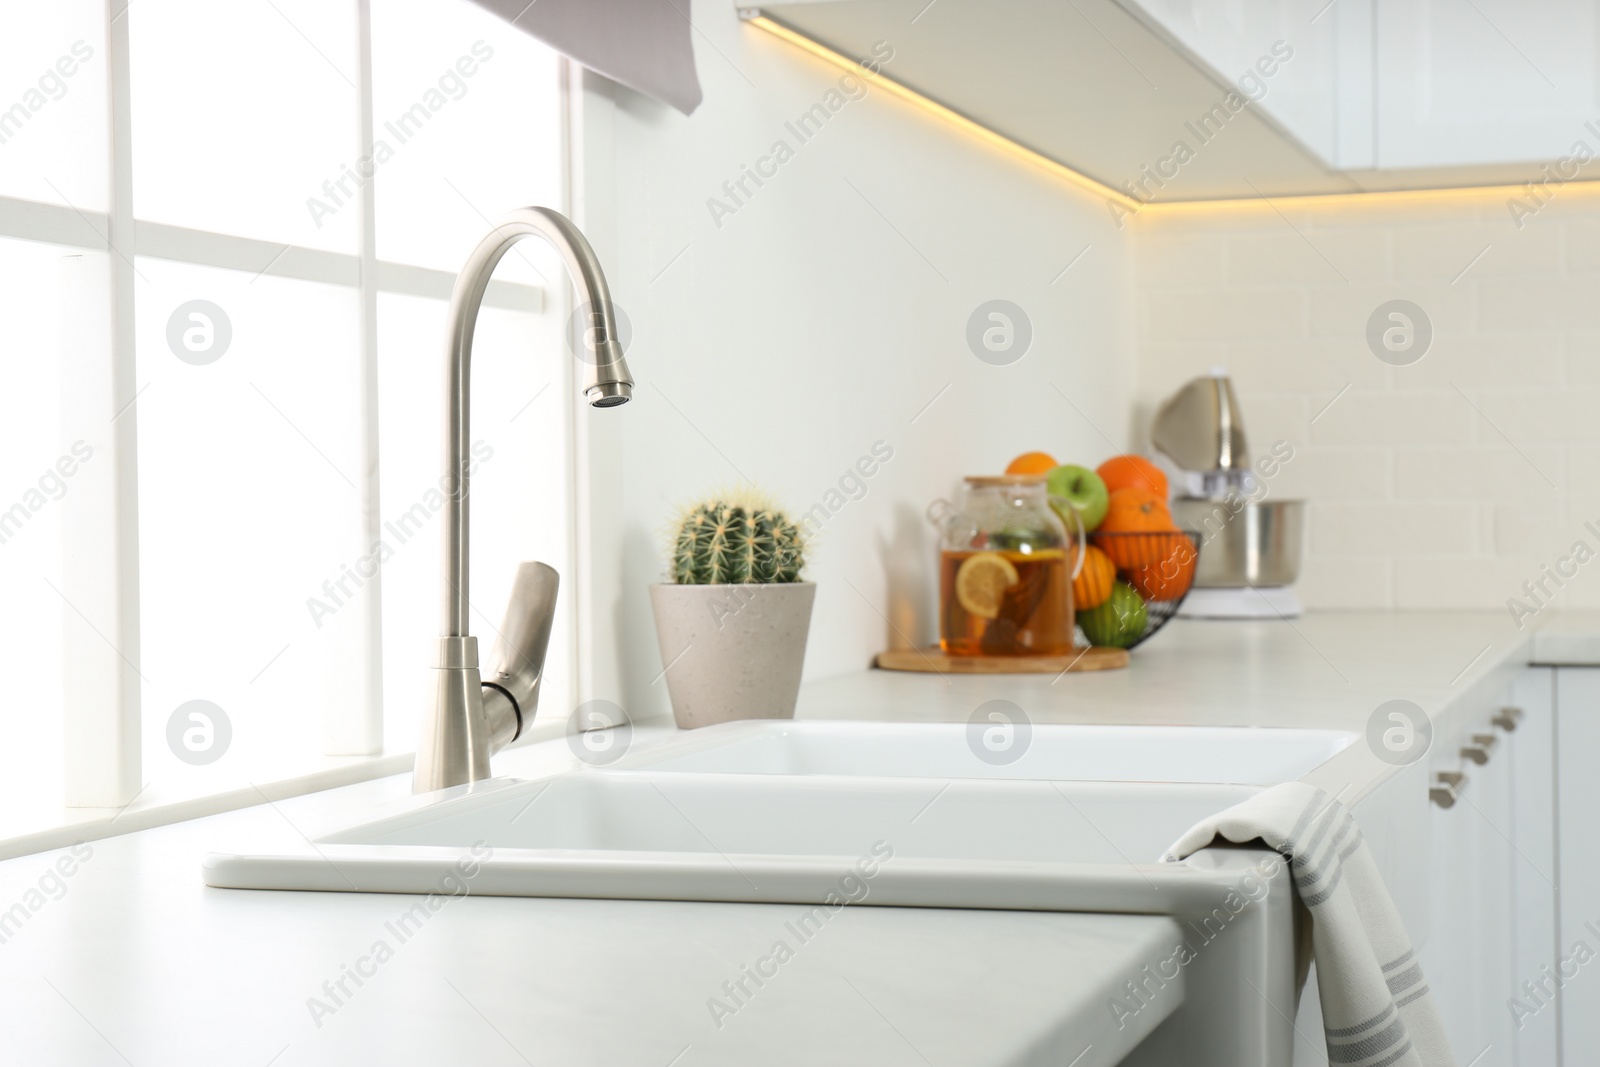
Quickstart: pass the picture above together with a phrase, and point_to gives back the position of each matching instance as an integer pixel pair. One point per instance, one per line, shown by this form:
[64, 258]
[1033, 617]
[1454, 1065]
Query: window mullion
[100, 528]
[358, 730]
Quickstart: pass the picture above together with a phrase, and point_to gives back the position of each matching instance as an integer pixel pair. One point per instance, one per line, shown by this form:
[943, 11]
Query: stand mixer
[1251, 542]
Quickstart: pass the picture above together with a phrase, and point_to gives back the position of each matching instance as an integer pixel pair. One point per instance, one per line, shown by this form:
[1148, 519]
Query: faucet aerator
[610, 394]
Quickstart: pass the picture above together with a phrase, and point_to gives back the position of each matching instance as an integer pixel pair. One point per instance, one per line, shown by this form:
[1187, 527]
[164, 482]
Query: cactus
[730, 541]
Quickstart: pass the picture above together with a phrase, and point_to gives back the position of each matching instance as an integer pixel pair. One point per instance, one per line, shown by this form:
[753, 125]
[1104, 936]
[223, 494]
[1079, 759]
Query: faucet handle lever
[517, 663]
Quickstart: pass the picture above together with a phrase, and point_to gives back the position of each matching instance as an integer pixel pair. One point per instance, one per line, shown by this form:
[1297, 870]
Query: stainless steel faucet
[471, 719]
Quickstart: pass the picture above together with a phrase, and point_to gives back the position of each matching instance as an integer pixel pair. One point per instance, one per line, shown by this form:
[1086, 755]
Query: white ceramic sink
[823, 843]
[825, 815]
[1222, 755]
[688, 818]
[688, 836]
[771, 815]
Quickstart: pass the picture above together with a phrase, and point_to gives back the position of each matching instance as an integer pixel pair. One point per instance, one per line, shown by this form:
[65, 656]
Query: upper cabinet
[1170, 100]
[1231, 38]
[1467, 83]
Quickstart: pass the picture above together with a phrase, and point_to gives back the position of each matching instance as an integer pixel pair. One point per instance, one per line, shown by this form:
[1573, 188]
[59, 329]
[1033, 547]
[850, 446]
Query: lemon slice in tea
[982, 582]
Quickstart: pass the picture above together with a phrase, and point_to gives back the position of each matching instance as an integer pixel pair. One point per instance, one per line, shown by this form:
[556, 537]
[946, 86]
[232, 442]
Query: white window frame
[103, 760]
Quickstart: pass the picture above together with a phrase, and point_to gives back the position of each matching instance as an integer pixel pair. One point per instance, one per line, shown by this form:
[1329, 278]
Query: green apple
[1083, 489]
[1118, 622]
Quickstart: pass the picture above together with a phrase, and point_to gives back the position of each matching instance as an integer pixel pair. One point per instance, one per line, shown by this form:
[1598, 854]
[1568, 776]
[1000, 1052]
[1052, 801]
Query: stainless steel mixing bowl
[1244, 544]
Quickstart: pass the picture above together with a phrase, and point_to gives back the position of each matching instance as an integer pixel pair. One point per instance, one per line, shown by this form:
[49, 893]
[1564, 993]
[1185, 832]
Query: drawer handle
[1447, 788]
[1480, 749]
[1508, 718]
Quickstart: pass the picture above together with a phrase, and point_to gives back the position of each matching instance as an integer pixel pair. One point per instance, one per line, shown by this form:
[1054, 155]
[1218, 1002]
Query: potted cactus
[732, 623]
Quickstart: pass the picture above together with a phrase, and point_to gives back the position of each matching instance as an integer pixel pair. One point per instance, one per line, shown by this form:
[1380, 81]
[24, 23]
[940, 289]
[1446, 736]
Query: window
[191, 282]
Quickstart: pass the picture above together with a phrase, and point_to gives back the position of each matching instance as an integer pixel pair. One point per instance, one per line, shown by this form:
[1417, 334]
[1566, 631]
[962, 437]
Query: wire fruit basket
[1137, 587]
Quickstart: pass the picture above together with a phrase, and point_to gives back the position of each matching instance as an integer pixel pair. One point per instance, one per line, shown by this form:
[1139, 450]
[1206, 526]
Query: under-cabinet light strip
[954, 118]
[1532, 196]
[1523, 193]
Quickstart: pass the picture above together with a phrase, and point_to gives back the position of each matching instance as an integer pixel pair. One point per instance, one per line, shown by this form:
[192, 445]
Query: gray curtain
[644, 44]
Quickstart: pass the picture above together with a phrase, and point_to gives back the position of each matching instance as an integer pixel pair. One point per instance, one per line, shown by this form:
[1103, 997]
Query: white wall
[822, 316]
[1447, 483]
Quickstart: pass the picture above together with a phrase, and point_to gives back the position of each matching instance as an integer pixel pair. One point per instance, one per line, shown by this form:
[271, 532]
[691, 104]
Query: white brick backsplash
[1418, 478]
[1347, 582]
[1536, 528]
[1582, 471]
[1491, 581]
[1377, 213]
[1317, 258]
[1475, 361]
[1184, 261]
[1463, 582]
[1273, 417]
[1165, 366]
[1343, 310]
[1331, 474]
[1573, 203]
[1583, 359]
[1583, 590]
[1314, 366]
[1411, 418]
[1583, 246]
[1567, 303]
[1391, 528]
[1224, 314]
[1441, 253]
[1581, 511]
[1484, 472]
[1557, 415]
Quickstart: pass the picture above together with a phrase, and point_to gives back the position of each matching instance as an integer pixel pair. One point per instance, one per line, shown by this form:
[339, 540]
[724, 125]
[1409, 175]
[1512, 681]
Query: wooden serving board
[933, 661]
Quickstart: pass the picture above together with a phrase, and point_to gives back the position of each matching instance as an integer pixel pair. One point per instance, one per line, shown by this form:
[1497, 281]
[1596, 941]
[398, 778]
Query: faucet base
[454, 747]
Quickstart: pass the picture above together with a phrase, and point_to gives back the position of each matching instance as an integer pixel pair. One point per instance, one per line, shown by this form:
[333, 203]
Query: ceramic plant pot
[732, 651]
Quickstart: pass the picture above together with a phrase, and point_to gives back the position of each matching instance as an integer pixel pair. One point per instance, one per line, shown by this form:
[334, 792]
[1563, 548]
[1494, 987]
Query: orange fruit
[982, 581]
[1032, 463]
[1133, 519]
[1136, 511]
[1133, 472]
[1169, 578]
[1092, 586]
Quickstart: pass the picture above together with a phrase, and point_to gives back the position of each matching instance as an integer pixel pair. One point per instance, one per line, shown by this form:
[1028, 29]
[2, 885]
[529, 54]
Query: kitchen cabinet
[1534, 883]
[1231, 38]
[1344, 97]
[1578, 790]
[1469, 941]
[1411, 84]
[1492, 884]
[1475, 881]
[1161, 123]
[1490, 82]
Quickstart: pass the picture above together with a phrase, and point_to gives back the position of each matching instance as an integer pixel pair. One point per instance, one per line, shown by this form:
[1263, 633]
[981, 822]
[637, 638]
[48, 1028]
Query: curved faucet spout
[459, 734]
[607, 381]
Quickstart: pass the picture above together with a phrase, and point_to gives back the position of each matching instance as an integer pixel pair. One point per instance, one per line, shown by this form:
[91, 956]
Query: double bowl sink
[780, 811]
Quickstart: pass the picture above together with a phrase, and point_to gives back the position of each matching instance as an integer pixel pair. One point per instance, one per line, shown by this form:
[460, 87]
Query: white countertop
[1569, 639]
[1327, 670]
[132, 960]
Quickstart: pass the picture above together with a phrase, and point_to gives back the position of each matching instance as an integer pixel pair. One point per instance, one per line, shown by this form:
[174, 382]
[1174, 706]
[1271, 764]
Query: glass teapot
[1006, 567]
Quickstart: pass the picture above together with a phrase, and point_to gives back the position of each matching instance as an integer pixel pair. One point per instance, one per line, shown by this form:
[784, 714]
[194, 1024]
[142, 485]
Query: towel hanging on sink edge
[1376, 1008]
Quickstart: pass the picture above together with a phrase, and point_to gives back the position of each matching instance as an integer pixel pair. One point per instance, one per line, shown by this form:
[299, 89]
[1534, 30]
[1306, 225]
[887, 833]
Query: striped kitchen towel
[1376, 1010]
